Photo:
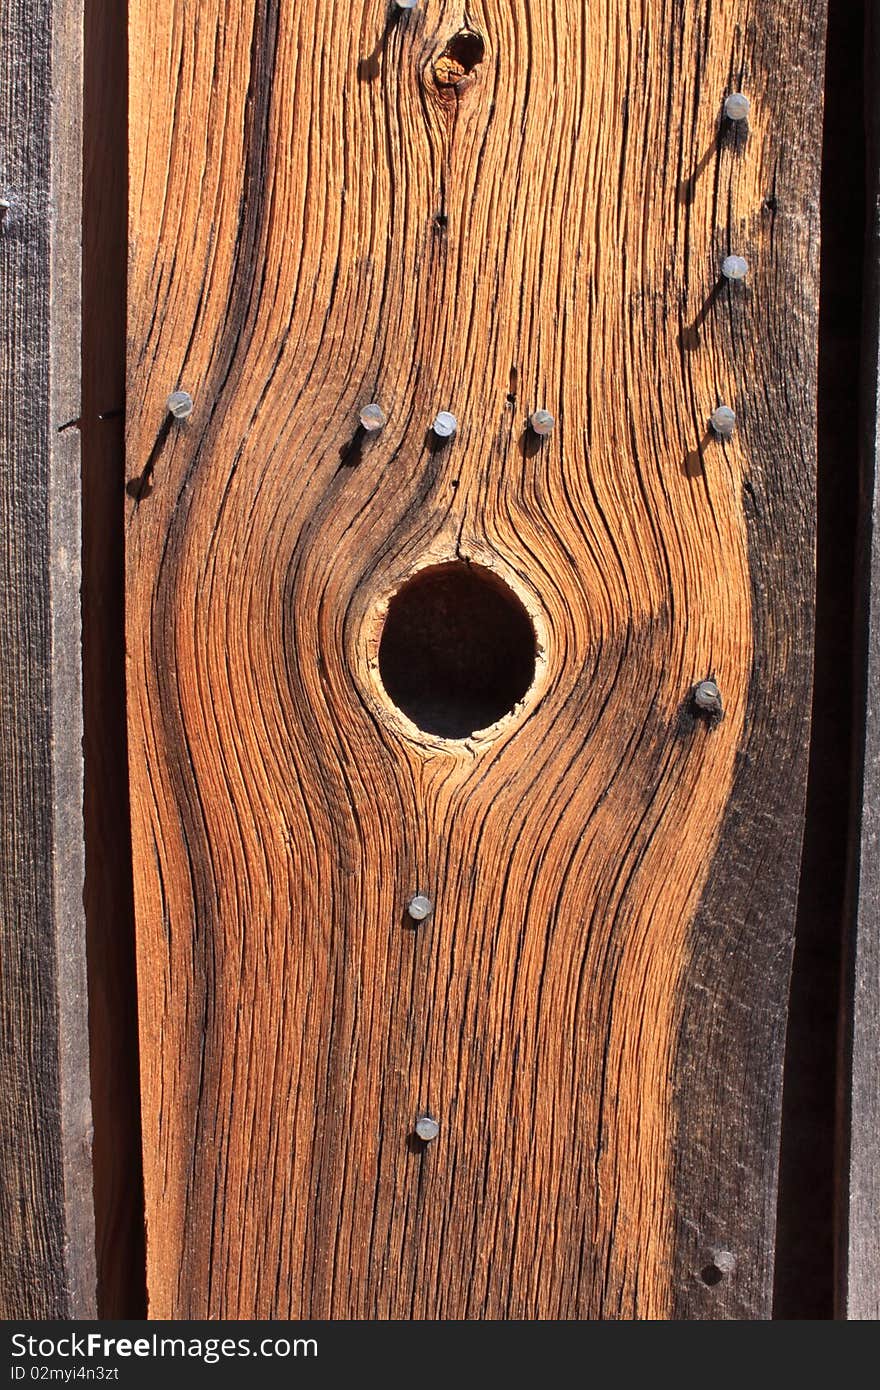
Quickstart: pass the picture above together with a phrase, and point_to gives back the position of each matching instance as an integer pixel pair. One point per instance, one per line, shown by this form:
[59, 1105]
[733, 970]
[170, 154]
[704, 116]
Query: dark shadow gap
[856, 1284]
[804, 1282]
[117, 1164]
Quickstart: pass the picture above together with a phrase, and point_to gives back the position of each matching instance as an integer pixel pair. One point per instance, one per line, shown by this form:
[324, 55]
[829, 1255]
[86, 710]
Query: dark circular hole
[467, 49]
[711, 1275]
[457, 650]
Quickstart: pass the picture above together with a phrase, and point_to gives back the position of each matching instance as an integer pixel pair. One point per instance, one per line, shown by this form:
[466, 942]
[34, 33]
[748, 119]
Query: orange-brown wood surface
[488, 210]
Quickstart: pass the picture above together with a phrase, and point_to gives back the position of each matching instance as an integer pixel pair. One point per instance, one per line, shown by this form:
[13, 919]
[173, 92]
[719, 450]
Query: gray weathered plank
[46, 1215]
[859, 1253]
[729, 1066]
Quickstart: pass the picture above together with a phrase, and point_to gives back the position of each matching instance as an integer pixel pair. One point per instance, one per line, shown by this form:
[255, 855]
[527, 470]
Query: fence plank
[332, 208]
[46, 1220]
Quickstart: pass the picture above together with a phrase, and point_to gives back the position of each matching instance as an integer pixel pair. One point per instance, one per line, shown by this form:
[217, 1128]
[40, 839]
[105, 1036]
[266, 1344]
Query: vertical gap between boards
[804, 1283]
[115, 1080]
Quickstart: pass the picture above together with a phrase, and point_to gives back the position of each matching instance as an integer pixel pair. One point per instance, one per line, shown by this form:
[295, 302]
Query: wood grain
[46, 1221]
[329, 209]
[858, 1273]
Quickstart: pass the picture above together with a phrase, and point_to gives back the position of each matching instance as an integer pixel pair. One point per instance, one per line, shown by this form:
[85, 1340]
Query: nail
[420, 907]
[724, 1261]
[707, 699]
[406, 4]
[372, 418]
[721, 1262]
[734, 267]
[723, 421]
[180, 405]
[427, 1128]
[444, 425]
[541, 422]
[737, 107]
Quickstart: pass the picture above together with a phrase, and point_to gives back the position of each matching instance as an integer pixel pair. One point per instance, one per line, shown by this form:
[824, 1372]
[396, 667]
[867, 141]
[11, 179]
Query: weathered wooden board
[859, 1250]
[487, 212]
[46, 1224]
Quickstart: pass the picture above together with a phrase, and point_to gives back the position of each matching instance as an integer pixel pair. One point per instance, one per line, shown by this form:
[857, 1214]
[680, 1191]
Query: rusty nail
[707, 700]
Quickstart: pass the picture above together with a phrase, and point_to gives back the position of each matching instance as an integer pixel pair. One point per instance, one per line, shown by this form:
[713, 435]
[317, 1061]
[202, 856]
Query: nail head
[737, 107]
[734, 267]
[372, 418]
[420, 907]
[724, 1261]
[541, 422]
[180, 405]
[406, 4]
[723, 421]
[707, 699]
[445, 425]
[427, 1128]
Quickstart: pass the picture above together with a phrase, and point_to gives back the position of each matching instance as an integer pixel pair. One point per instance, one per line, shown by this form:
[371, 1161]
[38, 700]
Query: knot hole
[457, 651]
[456, 65]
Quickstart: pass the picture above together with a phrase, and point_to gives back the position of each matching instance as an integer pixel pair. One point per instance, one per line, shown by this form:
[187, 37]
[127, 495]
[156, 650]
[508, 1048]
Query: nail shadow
[410, 924]
[728, 135]
[529, 443]
[692, 463]
[141, 487]
[688, 187]
[685, 720]
[689, 337]
[733, 135]
[415, 1144]
[434, 444]
[368, 68]
[351, 454]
